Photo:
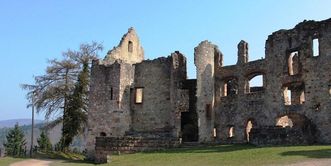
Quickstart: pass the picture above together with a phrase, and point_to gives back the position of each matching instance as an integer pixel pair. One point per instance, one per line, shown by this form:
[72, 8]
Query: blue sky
[33, 31]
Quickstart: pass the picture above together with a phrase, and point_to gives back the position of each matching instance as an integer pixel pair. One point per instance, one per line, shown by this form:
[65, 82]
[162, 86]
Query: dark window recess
[130, 46]
[230, 87]
[208, 111]
[103, 134]
[111, 94]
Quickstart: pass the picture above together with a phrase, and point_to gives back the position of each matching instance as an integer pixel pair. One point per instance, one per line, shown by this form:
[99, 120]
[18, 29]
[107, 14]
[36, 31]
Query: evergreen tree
[76, 115]
[44, 144]
[15, 144]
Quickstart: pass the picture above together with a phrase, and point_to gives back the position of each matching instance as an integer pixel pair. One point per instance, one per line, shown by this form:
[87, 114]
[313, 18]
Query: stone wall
[105, 146]
[309, 85]
[109, 109]
[278, 136]
[113, 110]
[154, 113]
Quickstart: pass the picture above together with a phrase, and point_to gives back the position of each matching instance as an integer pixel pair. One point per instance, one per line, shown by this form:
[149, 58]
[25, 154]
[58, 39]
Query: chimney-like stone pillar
[242, 52]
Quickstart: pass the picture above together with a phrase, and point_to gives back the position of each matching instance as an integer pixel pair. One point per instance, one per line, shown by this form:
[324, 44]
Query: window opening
[139, 95]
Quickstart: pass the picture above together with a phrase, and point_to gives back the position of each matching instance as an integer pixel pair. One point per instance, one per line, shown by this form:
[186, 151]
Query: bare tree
[51, 90]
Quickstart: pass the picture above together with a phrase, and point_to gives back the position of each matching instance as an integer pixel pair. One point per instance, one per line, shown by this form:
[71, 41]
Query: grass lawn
[232, 155]
[9, 160]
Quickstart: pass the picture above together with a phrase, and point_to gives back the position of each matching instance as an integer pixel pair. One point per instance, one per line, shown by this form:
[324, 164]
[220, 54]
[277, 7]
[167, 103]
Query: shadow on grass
[323, 153]
[206, 149]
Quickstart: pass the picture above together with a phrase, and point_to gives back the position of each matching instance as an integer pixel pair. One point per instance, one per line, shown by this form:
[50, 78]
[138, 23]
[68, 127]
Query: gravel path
[32, 162]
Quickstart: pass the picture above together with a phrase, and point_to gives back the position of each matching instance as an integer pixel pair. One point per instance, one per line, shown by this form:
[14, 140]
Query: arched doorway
[249, 125]
[298, 122]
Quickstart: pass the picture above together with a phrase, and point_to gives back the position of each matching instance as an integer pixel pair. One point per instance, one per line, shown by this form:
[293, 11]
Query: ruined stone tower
[133, 98]
[138, 104]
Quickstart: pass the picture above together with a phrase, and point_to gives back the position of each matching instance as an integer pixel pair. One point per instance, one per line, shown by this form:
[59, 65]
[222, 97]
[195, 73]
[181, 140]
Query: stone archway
[299, 123]
[249, 125]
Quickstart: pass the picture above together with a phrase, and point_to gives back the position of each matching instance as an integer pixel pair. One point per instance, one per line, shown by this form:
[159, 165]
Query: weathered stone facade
[136, 99]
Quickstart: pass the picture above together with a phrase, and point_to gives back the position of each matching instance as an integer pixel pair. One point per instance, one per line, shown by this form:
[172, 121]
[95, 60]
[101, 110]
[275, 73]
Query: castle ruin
[138, 104]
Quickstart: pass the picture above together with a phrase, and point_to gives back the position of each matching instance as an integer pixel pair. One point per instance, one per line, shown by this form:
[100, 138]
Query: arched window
[293, 63]
[255, 83]
[130, 46]
[249, 127]
[103, 134]
[231, 132]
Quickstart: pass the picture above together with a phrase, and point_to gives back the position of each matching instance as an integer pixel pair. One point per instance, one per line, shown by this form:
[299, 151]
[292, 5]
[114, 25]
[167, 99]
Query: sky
[34, 31]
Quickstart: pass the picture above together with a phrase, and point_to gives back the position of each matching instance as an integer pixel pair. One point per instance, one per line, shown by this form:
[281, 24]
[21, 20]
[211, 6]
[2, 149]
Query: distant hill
[21, 122]
[54, 133]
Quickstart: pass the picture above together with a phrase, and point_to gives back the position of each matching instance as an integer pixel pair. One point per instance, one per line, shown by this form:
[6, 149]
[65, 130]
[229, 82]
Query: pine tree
[15, 145]
[44, 144]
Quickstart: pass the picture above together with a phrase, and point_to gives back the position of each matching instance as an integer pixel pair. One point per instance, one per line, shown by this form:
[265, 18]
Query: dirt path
[32, 162]
[313, 162]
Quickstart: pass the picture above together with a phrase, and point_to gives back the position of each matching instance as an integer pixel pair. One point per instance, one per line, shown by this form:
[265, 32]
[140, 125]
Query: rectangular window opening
[208, 111]
[139, 95]
[315, 47]
[111, 94]
[288, 97]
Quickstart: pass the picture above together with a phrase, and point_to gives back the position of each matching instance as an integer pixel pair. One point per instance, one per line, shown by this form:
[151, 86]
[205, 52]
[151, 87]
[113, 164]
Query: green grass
[233, 155]
[230, 155]
[9, 160]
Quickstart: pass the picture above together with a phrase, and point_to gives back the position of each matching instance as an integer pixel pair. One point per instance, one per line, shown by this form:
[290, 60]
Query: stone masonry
[138, 104]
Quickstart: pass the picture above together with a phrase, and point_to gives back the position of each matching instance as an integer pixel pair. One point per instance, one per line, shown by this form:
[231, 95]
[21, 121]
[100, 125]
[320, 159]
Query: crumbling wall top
[128, 50]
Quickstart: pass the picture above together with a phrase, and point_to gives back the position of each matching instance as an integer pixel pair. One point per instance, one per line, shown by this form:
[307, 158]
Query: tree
[75, 116]
[76, 111]
[15, 144]
[53, 91]
[44, 144]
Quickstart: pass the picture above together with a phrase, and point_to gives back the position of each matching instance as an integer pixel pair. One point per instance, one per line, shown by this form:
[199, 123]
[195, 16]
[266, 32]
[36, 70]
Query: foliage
[62, 91]
[59, 146]
[25, 128]
[15, 144]
[76, 115]
[44, 144]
